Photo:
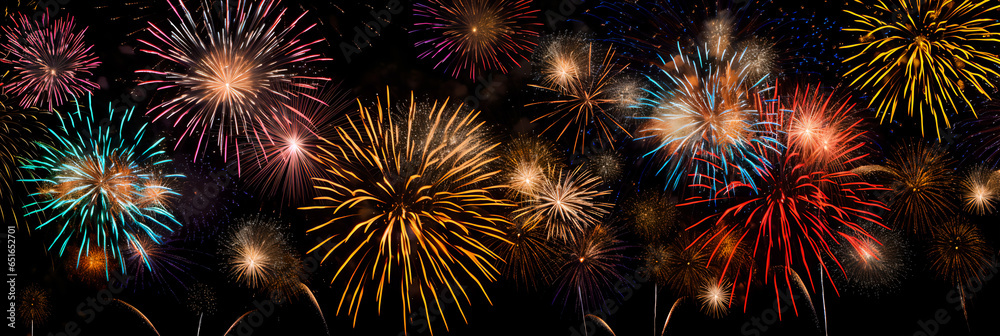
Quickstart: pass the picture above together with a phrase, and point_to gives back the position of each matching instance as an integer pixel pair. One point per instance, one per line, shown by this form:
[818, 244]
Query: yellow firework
[715, 296]
[567, 204]
[924, 56]
[958, 252]
[410, 205]
[980, 190]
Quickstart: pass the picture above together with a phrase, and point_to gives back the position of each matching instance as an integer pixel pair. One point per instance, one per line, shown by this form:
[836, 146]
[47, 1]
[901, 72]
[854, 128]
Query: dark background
[114, 28]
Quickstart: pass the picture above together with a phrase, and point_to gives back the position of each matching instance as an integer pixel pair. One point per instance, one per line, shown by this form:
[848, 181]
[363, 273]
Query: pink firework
[475, 36]
[228, 69]
[49, 58]
[283, 151]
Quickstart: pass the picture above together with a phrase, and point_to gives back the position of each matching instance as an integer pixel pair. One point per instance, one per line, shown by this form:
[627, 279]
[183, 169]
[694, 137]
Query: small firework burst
[715, 297]
[718, 34]
[158, 265]
[607, 165]
[525, 163]
[759, 59]
[923, 56]
[688, 267]
[654, 215]
[875, 265]
[981, 189]
[593, 265]
[50, 60]
[201, 299]
[530, 258]
[958, 252]
[476, 36]
[704, 123]
[228, 81]
[257, 254]
[583, 100]
[34, 306]
[921, 186]
[567, 205]
[101, 183]
[90, 266]
[654, 258]
[282, 152]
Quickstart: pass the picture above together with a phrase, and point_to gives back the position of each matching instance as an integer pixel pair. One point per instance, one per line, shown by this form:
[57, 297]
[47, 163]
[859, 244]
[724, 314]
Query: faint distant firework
[921, 183]
[158, 266]
[50, 60]
[981, 190]
[201, 300]
[281, 155]
[687, 268]
[924, 57]
[958, 253]
[102, 183]
[229, 70]
[653, 214]
[982, 137]
[704, 127]
[877, 265]
[577, 78]
[33, 305]
[530, 259]
[592, 266]
[567, 204]
[410, 198]
[473, 37]
[607, 165]
[19, 129]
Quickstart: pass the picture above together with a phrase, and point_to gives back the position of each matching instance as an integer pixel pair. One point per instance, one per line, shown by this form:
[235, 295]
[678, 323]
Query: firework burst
[981, 189]
[34, 305]
[50, 60]
[704, 123]
[875, 265]
[958, 252]
[583, 91]
[529, 256]
[923, 56]
[921, 186]
[257, 254]
[284, 148]
[476, 36]
[687, 268]
[797, 214]
[715, 297]
[525, 163]
[653, 214]
[567, 204]
[158, 265]
[593, 265]
[410, 198]
[231, 69]
[102, 183]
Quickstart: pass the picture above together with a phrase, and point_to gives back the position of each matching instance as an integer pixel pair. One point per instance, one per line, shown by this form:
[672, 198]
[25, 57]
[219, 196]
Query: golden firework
[924, 56]
[958, 252]
[981, 189]
[410, 202]
[567, 204]
[525, 163]
[715, 297]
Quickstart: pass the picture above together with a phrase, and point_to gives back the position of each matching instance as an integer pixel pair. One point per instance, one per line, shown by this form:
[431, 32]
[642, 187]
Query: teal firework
[101, 185]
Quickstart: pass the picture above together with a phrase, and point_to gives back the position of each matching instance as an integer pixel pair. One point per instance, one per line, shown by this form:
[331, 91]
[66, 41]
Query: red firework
[49, 59]
[803, 204]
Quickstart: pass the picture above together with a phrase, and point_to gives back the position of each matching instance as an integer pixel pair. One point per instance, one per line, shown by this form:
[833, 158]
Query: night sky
[807, 35]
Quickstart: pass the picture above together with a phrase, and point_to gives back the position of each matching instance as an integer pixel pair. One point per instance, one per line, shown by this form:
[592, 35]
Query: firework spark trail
[238, 319]
[671, 313]
[923, 56]
[95, 183]
[137, 312]
[600, 322]
[316, 304]
[228, 84]
[48, 59]
[476, 36]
